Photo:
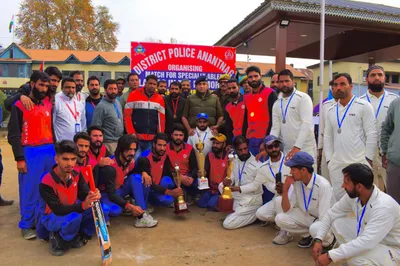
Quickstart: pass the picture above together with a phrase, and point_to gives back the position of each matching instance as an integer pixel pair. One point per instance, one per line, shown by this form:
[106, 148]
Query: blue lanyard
[287, 106]
[241, 172]
[116, 110]
[379, 106]
[205, 135]
[307, 204]
[345, 112]
[280, 166]
[359, 219]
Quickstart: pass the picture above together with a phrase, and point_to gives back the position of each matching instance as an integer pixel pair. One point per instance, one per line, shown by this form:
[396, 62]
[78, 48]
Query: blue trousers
[71, 224]
[134, 187]
[158, 199]
[254, 145]
[39, 160]
[208, 200]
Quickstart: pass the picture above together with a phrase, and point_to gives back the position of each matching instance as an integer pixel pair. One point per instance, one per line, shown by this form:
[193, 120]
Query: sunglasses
[275, 145]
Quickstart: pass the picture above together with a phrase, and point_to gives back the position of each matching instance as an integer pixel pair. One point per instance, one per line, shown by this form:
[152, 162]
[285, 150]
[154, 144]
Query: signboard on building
[176, 62]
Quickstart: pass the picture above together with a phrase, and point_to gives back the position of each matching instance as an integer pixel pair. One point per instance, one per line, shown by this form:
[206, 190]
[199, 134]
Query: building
[17, 63]
[303, 81]
[358, 72]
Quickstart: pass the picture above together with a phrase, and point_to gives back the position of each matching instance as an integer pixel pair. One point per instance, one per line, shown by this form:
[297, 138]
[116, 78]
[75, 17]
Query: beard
[39, 95]
[255, 84]
[159, 153]
[244, 157]
[273, 154]
[234, 95]
[79, 87]
[52, 89]
[287, 90]
[202, 128]
[112, 96]
[94, 92]
[174, 95]
[82, 154]
[216, 150]
[376, 87]
[128, 158]
[340, 95]
[353, 194]
[96, 144]
[177, 141]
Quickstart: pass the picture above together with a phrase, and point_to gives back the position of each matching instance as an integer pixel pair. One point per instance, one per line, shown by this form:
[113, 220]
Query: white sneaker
[150, 208]
[145, 222]
[282, 238]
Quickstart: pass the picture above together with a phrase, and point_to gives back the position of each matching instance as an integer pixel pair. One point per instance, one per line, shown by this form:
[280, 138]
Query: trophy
[202, 180]
[180, 204]
[225, 201]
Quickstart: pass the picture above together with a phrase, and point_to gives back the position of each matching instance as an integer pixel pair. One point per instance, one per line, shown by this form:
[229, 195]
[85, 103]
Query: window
[121, 74]
[13, 70]
[395, 78]
[101, 75]
[66, 73]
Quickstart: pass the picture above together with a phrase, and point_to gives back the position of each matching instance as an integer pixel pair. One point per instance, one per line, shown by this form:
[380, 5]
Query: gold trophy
[225, 201]
[180, 204]
[202, 180]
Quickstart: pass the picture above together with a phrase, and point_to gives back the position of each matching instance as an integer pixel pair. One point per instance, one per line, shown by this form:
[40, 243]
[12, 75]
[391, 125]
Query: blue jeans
[134, 187]
[158, 199]
[39, 160]
[70, 225]
[208, 200]
[144, 145]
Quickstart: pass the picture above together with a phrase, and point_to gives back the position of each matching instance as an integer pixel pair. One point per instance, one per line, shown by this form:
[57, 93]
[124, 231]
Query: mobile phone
[278, 177]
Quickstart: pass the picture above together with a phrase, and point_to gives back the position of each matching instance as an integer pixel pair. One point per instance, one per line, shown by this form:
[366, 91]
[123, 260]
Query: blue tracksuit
[158, 199]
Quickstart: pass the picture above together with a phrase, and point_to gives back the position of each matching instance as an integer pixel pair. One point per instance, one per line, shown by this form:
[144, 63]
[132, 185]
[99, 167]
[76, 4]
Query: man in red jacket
[66, 213]
[144, 114]
[259, 109]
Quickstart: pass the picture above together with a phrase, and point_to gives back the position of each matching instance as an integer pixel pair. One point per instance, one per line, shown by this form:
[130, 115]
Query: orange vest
[180, 158]
[217, 171]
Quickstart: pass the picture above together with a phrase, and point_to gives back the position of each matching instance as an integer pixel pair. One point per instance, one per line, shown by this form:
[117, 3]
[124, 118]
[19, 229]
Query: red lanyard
[94, 106]
[175, 105]
[76, 114]
[78, 96]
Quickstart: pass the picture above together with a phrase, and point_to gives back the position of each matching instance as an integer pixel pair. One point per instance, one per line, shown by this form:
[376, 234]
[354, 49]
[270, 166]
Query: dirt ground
[194, 239]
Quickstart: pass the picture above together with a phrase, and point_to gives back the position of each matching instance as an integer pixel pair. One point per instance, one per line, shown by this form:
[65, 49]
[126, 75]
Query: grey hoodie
[390, 134]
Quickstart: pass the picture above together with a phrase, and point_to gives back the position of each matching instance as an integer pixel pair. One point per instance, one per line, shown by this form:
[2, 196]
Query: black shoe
[4, 202]
[331, 245]
[78, 242]
[305, 242]
[58, 246]
[29, 233]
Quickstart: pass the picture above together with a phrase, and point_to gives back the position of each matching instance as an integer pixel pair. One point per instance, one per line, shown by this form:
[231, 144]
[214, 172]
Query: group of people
[135, 142]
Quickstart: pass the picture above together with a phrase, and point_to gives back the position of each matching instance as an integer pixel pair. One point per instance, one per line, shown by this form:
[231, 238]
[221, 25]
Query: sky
[190, 22]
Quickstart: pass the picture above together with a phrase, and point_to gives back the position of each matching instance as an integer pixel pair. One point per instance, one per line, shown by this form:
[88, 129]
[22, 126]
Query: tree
[5, 113]
[66, 25]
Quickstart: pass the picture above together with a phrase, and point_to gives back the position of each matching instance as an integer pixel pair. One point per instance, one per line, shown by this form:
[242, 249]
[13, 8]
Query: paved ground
[195, 239]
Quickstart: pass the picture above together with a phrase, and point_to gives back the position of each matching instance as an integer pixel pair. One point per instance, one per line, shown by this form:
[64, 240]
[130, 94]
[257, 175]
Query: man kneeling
[372, 239]
[310, 200]
[67, 214]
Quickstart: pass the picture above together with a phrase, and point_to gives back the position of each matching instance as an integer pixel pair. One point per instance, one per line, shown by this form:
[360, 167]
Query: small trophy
[202, 181]
[180, 204]
[225, 201]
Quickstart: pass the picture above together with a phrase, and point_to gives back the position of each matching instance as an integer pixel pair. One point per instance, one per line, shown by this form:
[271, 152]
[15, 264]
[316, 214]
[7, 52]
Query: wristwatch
[317, 240]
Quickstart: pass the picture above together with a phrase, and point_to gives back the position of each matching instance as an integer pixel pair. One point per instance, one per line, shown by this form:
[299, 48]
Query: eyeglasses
[275, 145]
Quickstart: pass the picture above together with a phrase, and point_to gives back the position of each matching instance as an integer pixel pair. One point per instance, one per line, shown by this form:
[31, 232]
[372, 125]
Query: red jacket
[217, 170]
[144, 115]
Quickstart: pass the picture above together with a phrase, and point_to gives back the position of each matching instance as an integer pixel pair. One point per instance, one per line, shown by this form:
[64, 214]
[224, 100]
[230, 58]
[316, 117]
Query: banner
[177, 62]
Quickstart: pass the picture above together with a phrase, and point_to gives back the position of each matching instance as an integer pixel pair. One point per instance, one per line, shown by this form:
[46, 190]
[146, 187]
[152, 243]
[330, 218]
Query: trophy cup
[180, 204]
[225, 201]
[202, 180]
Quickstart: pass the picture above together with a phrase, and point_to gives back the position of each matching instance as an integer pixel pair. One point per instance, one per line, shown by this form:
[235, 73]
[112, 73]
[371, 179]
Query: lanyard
[379, 106]
[359, 219]
[175, 105]
[345, 112]
[241, 172]
[116, 110]
[307, 204]
[287, 106]
[76, 114]
[205, 135]
[280, 166]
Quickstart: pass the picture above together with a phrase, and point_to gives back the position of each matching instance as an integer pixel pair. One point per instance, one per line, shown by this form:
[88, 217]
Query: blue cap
[268, 140]
[202, 116]
[301, 158]
[200, 79]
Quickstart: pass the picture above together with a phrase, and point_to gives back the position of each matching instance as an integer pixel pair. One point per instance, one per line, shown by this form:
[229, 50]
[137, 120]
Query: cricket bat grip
[87, 171]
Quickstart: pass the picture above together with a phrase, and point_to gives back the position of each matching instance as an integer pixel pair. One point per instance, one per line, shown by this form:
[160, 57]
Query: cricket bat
[99, 221]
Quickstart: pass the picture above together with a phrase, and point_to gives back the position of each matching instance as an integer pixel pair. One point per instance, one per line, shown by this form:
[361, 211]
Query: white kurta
[64, 122]
[245, 203]
[205, 136]
[379, 232]
[298, 129]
